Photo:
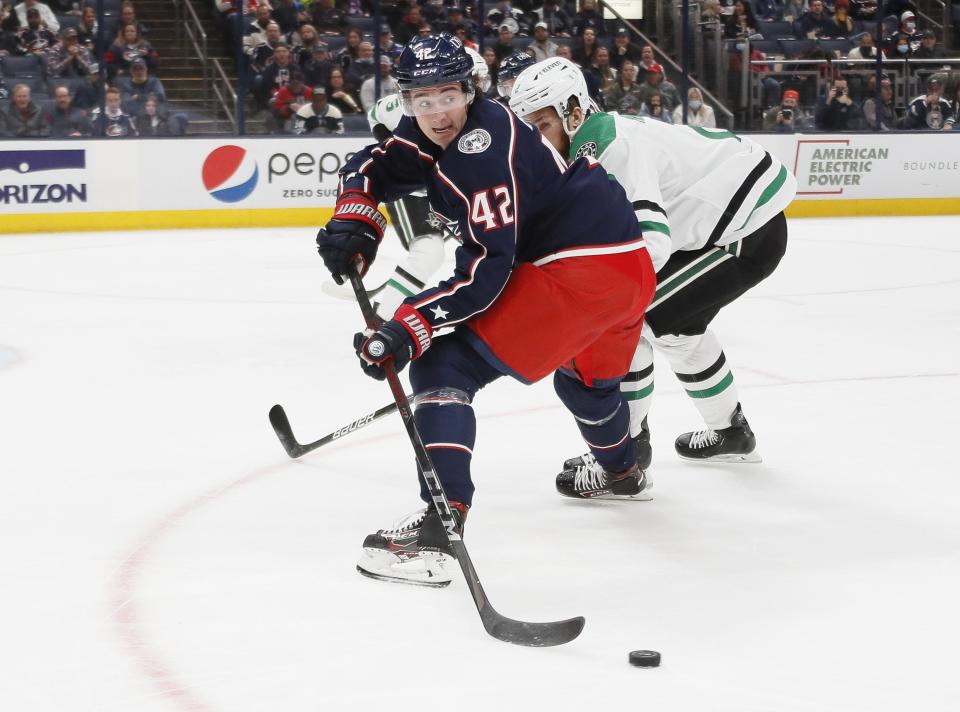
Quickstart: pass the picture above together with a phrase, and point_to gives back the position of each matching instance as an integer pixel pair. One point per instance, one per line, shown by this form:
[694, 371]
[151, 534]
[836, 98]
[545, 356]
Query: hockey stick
[281, 426]
[500, 627]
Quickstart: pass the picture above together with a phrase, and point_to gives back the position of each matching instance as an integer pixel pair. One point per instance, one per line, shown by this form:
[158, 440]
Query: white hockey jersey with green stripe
[689, 186]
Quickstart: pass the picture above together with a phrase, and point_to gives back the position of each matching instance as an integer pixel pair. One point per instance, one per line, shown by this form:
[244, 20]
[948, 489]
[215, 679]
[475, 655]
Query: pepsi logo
[230, 174]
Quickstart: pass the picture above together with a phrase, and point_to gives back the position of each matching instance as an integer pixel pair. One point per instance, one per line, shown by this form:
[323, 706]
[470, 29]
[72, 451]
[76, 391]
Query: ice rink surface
[160, 553]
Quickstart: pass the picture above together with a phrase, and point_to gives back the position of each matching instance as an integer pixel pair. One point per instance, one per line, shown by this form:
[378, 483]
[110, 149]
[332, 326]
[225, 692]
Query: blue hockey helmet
[510, 69]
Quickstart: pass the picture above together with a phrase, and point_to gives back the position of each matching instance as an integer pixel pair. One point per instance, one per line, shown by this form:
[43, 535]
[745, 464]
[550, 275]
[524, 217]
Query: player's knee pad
[590, 405]
[689, 353]
[441, 396]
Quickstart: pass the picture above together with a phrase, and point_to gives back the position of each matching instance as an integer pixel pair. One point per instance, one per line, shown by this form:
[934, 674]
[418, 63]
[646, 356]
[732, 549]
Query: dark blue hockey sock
[603, 417]
[445, 380]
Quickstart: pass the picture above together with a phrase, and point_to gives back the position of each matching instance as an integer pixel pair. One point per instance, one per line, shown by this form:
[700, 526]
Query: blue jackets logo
[28, 163]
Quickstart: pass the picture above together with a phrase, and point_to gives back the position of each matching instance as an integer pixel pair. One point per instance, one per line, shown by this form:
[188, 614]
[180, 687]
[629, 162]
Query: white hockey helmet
[551, 83]
[481, 72]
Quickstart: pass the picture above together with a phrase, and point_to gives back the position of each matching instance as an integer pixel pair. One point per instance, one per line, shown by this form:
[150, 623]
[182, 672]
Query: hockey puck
[644, 658]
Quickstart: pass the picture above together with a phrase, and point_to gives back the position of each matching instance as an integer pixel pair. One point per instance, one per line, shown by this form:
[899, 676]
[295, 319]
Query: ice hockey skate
[588, 480]
[415, 551]
[642, 442]
[734, 444]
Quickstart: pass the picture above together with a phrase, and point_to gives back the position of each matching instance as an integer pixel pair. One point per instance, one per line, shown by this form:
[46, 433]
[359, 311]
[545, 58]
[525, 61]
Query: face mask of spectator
[903, 49]
[695, 104]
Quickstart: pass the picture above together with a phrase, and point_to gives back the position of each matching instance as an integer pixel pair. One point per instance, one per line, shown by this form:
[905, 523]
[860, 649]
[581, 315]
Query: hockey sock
[637, 385]
[700, 364]
[603, 418]
[448, 427]
[411, 276]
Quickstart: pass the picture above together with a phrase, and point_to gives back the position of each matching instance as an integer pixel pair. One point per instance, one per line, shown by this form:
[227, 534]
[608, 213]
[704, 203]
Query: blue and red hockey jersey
[508, 196]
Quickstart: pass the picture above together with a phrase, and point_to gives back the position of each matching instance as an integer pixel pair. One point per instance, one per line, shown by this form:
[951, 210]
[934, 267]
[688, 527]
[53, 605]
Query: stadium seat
[793, 47]
[335, 43]
[565, 41]
[366, 25]
[71, 83]
[771, 29]
[835, 45]
[68, 21]
[768, 47]
[14, 66]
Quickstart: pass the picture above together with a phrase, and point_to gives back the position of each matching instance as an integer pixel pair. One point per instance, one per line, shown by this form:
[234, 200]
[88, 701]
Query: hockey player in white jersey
[710, 205]
[420, 230]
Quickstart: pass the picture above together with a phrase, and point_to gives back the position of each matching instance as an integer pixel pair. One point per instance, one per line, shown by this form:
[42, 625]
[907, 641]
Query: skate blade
[748, 458]
[644, 496]
[427, 569]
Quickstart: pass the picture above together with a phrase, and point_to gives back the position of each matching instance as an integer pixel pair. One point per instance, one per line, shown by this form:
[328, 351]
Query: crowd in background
[310, 65]
[52, 71]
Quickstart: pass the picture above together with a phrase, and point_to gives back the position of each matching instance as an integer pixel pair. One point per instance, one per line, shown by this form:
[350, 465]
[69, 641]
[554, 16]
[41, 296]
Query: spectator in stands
[67, 121]
[504, 12]
[813, 22]
[128, 16]
[600, 65]
[931, 110]
[588, 17]
[9, 26]
[288, 16]
[359, 8]
[558, 21]
[434, 13]
[565, 52]
[841, 24]
[35, 38]
[647, 59]
[256, 32]
[504, 44]
[785, 117]
[24, 119]
[361, 68]
[698, 113]
[113, 122]
[837, 111]
[130, 47]
[387, 45]
[275, 75]
[584, 46]
[493, 67]
[624, 96]
[153, 120]
[928, 48]
[351, 50]
[328, 19]
[339, 95]
[47, 17]
[87, 29]
[302, 43]
[898, 7]
[409, 26]
[656, 84]
[765, 9]
[263, 52]
[139, 86]
[623, 50]
[4, 92]
[461, 33]
[741, 22]
[69, 58]
[316, 70]
[288, 101]
[710, 12]
[887, 113]
[542, 46]
[863, 10]
[388, 85]
[654, 108]
[900, 47]
[865, 50]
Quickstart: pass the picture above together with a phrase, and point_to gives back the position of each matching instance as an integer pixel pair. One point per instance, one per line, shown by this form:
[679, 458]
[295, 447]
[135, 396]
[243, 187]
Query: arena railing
[224, 96]
[197, 40]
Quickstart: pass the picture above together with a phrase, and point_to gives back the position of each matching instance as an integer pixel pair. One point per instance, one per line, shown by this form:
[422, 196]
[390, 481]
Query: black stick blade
[533, 635]
[281, 426]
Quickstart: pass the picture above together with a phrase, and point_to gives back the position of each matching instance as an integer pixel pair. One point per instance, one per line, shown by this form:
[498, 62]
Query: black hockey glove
[402, 339]
[352, 236]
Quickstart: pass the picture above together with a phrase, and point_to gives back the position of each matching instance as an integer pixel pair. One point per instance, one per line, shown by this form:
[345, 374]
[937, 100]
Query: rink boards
[262, 181]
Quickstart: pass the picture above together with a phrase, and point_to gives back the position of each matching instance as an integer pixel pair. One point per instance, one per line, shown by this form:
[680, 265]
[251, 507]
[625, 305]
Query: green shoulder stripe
[597, 132]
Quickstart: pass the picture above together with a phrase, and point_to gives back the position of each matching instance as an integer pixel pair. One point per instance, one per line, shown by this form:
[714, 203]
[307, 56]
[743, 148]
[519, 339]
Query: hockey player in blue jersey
[541, 285]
